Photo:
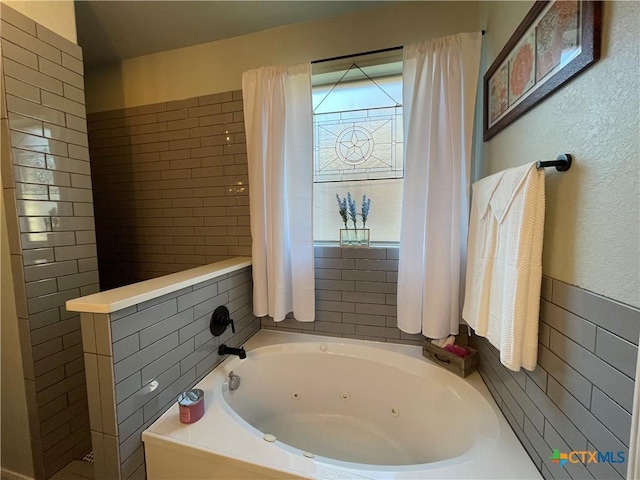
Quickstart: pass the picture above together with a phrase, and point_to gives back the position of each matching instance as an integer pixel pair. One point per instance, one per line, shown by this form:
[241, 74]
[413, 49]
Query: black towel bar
[562, 163]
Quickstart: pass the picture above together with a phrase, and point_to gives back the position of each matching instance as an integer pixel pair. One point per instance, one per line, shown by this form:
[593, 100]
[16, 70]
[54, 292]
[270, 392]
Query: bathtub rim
[295, 464]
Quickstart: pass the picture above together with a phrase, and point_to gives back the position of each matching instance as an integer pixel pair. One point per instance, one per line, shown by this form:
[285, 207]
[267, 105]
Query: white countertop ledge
[113, 300]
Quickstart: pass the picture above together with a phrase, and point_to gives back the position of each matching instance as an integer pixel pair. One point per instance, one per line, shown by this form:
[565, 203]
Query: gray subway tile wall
[154, 351]
[355, 296]
[170, 186]
[580, 395]
[46, 183]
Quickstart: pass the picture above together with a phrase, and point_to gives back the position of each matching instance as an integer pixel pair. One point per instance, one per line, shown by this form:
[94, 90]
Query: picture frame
[555, 42]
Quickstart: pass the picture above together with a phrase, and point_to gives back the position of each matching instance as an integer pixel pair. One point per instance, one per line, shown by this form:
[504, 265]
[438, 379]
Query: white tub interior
[339, 401]
[360, 410]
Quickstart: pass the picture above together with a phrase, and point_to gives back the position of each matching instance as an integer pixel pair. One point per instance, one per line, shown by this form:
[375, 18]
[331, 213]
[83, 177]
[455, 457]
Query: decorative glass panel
[358, 149]
[358, 145]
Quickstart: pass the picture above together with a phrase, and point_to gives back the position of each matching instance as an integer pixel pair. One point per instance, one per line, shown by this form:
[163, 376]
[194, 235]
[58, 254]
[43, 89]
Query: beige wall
[217, 66]
[57, 15]
[592, 231]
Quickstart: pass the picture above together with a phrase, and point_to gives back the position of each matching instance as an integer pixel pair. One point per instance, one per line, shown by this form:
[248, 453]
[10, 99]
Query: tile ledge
[119, 298]
[372, 245]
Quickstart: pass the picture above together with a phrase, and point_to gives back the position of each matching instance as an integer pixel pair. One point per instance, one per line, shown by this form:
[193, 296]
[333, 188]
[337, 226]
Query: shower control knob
[220, 320]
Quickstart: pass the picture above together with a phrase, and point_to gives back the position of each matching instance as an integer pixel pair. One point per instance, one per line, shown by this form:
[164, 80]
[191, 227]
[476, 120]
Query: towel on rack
[504, 265]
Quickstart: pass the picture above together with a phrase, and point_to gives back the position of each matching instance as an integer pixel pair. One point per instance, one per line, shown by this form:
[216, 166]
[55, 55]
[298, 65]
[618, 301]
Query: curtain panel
[278, 124]
[440, 79]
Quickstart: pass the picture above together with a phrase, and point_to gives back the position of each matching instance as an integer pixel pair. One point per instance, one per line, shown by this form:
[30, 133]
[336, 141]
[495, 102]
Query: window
[358, 144]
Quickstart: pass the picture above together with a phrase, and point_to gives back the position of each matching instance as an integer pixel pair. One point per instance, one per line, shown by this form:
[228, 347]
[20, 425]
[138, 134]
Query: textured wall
[170, 187]
[592, 228]
[47, 187]
[355, 296]
[580, 395]
[139, 359]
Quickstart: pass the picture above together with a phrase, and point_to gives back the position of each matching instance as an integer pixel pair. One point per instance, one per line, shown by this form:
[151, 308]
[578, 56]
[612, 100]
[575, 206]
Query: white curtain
[439, 82]
[278, 123]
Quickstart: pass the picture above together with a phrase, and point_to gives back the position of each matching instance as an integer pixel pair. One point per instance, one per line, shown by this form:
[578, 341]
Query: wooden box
[460, 366]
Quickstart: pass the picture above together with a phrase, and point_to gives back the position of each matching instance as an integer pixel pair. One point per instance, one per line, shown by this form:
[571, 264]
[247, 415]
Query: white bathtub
[338, 408]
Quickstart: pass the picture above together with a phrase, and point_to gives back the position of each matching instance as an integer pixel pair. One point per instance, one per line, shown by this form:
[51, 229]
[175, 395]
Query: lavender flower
[352, 209]
[342, 209]
[366, 204]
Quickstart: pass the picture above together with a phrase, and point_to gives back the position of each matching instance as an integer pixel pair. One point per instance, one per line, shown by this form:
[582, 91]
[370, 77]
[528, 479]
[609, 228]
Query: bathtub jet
[224, 350]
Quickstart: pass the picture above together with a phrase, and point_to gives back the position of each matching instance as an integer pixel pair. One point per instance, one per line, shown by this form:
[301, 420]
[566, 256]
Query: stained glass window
[358, 148]
[358, 145]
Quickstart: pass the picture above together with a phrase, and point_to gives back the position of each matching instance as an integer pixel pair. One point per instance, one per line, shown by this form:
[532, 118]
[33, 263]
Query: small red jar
[191, 405]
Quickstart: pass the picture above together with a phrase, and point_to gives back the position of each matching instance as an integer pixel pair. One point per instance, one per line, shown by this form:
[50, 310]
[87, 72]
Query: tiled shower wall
[47, 190]
[170, 187]
[355, 296]
[139, 359]
[580, 395]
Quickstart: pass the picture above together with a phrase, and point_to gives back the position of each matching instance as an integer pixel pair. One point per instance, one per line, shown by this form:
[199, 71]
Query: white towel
[481, 245]
[443, 342]
[504, 266]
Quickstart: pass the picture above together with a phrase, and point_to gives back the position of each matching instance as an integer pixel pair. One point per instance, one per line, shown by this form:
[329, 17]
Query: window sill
[372, 245]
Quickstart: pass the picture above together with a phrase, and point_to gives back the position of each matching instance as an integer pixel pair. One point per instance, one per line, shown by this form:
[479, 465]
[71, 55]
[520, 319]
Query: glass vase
[354, 237]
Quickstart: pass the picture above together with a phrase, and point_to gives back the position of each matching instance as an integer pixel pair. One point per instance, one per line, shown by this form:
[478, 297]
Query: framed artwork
[555, 42]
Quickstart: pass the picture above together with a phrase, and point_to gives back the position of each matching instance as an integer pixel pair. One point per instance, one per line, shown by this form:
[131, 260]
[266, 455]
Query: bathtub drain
[269, 438]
